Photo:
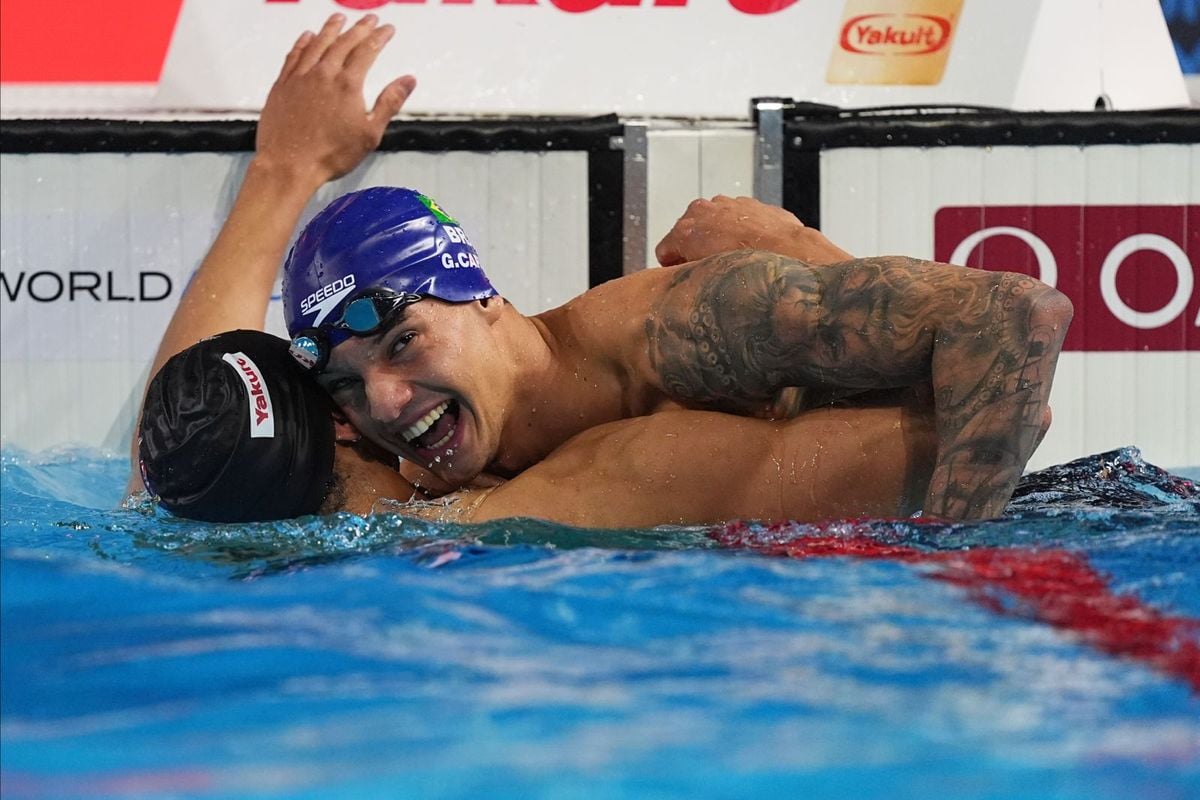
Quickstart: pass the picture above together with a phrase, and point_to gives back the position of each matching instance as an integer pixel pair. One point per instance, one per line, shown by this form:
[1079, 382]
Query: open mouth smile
[435, 432]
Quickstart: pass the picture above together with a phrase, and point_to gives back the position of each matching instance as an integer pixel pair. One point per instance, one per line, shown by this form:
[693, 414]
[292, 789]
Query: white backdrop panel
[703, 58]
[96, 249]
[880, 201]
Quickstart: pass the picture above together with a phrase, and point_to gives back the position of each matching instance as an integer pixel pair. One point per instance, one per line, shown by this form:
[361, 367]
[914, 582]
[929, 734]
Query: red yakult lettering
[262, 423]
[896, 34]
[261, 412]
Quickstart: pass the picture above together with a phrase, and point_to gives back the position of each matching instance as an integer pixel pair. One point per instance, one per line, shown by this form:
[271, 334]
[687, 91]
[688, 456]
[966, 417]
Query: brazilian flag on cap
[440, 215]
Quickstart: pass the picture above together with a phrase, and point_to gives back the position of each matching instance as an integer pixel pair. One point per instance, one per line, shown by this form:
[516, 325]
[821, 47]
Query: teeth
[442, 441]
[424, 422]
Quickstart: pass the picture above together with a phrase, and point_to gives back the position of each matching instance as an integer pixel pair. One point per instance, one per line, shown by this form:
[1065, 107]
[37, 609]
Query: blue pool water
[1042, 655]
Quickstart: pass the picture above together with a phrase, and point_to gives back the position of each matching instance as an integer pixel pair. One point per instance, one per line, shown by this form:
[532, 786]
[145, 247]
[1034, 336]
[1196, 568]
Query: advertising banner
[98, 248]
[670, 58]
[1114, 227]
[1130, 270]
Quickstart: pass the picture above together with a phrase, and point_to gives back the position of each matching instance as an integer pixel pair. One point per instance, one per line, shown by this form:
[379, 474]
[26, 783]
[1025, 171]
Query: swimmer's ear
[343, 431]
[491, 307]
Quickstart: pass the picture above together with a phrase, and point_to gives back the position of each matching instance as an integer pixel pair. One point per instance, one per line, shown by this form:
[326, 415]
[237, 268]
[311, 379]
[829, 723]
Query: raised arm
[313, 128]
[731, 330]
[710, 227]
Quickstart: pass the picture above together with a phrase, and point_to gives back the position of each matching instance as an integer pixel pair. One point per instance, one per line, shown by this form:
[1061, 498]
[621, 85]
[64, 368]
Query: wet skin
[416, 367]
[691, 468]
[726, 333]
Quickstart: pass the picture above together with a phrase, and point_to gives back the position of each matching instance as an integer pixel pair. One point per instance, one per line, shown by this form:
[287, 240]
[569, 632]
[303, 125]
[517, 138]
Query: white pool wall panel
[70, 369]
[883, 201]
[73, 371]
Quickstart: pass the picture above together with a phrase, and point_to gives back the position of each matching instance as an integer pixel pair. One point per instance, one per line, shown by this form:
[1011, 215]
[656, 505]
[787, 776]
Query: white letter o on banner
[1047, 266]
[1183, 287]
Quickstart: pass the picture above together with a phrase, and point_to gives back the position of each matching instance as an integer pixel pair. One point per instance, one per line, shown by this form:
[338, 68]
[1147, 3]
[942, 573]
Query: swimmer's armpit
[734, 329]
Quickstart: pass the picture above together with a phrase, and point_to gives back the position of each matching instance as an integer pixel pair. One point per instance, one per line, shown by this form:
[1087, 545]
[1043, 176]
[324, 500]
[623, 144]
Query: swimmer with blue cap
[233, 429]
[387, 269]
[387, 305]
[389, 308]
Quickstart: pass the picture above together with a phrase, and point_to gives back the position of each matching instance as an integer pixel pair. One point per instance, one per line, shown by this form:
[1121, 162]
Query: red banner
[114, 41]
[1129, 270]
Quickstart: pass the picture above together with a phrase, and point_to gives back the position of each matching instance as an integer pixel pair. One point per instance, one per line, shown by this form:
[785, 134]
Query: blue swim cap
[385, 237]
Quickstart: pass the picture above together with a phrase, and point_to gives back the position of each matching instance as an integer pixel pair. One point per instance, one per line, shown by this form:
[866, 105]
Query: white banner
[698, 58]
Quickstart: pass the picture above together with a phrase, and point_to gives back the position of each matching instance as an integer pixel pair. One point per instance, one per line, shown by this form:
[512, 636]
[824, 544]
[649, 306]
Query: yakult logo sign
[894, 42]
[895, 34]
[262, 414]
[1129, 270]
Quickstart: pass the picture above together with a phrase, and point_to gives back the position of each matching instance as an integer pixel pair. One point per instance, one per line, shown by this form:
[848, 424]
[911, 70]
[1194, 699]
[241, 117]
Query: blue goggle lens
[364, 315]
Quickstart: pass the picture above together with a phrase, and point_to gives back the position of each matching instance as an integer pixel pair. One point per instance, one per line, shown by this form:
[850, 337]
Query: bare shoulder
[602, 335]
[734, 329]
[628, 297]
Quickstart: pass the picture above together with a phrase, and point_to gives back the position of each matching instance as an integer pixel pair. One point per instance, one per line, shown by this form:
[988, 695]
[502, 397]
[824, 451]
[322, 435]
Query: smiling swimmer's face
[430, 386]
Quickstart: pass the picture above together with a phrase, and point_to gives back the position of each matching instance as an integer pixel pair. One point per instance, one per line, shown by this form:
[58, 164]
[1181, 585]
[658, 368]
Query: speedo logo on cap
[324, 300]
[262, 414]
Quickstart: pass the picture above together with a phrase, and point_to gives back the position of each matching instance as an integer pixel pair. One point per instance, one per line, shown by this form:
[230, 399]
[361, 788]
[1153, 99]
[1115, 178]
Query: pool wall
[104, 219]
[98, 246]
[98, 242]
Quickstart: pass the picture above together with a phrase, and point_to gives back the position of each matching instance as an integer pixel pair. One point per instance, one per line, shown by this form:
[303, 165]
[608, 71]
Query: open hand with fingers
[315, 123]
[709, 227]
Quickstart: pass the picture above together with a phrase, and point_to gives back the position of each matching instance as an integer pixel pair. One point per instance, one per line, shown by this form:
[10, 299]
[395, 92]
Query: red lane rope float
[1057, 587]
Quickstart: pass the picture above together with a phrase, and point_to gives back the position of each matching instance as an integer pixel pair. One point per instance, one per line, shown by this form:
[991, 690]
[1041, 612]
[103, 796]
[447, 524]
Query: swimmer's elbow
[1051, 308]
[1044, 305]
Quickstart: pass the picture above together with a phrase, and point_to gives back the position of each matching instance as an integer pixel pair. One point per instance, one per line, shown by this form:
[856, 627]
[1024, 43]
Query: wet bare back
[698, 467]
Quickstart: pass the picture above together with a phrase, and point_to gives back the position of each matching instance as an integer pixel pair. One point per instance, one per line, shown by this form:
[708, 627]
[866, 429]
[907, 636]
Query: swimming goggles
[363, 315]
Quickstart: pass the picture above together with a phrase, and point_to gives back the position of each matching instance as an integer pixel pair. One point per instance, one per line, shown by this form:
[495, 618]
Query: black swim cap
[233, 431]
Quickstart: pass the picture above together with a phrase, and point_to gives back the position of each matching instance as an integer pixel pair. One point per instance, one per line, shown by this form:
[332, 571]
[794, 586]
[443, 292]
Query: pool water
[1054, 653]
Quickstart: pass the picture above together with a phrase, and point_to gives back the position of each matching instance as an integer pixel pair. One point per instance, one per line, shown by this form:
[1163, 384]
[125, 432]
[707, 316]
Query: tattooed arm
[731, 330]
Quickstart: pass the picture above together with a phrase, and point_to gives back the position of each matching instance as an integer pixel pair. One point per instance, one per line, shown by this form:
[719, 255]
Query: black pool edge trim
[232, 136]
[809, 126]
